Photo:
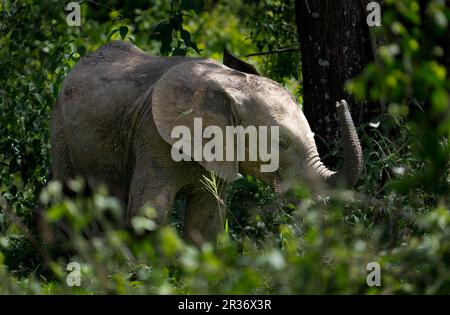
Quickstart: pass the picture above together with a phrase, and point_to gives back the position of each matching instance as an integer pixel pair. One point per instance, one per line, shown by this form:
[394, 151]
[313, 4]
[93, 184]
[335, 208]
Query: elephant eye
[283, 145]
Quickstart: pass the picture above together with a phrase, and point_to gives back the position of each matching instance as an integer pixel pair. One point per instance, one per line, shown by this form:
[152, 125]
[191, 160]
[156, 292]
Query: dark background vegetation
[397, 215]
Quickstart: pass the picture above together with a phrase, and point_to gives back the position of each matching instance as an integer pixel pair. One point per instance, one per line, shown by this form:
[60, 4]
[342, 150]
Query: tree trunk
[335, 45]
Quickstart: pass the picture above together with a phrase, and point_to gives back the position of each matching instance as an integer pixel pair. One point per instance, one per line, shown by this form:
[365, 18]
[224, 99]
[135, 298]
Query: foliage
[171, 29]
[272, 25]
[297, 243]
[411, 77]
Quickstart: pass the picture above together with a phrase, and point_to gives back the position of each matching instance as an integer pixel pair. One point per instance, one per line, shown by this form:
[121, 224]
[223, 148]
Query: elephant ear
[186, 93]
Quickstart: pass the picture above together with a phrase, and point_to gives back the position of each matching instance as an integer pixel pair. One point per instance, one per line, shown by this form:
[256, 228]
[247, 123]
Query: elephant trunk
[352, 154]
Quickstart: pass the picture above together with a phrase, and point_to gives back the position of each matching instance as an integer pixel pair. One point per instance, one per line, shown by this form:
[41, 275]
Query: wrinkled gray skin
[118, 106]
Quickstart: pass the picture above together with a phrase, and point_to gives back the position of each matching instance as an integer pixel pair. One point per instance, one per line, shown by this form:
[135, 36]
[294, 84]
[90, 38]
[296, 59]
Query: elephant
[117, 107]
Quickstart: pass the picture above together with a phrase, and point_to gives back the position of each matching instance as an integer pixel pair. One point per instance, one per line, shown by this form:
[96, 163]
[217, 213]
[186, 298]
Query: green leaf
[112, 33]
[186, 37]
[176, 21]
[55, 213]
[82, 51]
[440, 101]
[162, 32]
[123, 30]
[142, 224]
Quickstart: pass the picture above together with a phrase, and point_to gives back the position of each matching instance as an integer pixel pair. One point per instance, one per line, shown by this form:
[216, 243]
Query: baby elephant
[150, 126]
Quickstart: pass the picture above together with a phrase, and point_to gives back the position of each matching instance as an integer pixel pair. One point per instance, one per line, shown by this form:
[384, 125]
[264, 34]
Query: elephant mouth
[271, 179]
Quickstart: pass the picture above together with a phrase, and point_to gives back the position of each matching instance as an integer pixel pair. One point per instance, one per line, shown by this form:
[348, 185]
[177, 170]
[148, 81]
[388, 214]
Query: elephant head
[226, 97]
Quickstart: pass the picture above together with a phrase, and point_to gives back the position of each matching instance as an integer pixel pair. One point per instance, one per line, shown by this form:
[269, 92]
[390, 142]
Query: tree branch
[279, 51]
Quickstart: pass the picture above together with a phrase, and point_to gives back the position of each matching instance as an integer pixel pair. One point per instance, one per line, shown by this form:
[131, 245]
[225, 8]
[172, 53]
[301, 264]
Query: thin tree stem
[279, 51]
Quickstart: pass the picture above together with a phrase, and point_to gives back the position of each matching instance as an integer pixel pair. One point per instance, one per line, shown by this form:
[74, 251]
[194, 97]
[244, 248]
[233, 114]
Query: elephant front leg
[148, 189]
[205, 216]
